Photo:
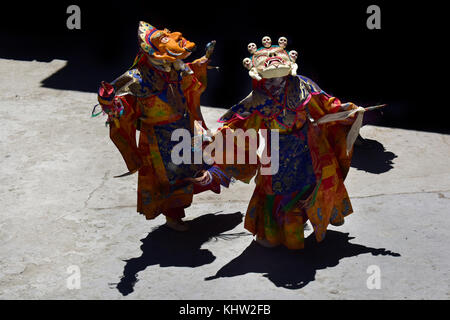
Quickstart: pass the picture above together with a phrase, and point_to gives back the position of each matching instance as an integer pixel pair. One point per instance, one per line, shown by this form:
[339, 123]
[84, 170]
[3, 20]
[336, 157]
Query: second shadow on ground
[292, 269]
[371, 156]
[168, 248]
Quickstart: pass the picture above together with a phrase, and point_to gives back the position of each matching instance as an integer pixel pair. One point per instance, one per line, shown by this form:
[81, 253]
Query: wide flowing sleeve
[235, 153]
[123, 121]
[194, 85]
[339, 134]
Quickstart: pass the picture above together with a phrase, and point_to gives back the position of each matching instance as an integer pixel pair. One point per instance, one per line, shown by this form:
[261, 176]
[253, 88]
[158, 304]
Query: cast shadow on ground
[371, 156]
[168, 248]
[292, 269]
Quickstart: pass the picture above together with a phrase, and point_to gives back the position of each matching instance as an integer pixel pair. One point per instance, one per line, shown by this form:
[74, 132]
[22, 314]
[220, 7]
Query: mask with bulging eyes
[272, 62]
[163, 44]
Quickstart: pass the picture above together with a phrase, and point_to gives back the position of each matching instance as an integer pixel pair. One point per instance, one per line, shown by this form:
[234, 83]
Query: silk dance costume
[314, 153]
[157, 95]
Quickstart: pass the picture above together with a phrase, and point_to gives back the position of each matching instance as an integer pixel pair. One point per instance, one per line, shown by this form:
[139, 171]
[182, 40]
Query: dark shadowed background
[398, 64]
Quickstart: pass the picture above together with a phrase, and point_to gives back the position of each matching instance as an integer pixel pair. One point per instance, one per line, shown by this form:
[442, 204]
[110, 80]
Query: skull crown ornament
[270, 61]
[282, 42]
[252, 47]
[247, 63]
[293, 55]
[267, 42]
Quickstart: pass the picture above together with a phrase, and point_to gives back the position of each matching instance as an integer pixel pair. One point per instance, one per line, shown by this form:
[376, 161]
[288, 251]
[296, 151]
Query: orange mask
[163, 44]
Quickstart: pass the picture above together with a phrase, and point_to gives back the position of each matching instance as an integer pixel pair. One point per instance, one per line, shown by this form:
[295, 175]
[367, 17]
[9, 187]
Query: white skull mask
[252, 48]
[267, 42]
[282, 42]
[293, 55]
[273, 62]
[247, 63]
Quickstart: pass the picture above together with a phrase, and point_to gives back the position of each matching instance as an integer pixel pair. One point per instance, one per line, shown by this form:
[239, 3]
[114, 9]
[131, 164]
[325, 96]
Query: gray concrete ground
[61, 207]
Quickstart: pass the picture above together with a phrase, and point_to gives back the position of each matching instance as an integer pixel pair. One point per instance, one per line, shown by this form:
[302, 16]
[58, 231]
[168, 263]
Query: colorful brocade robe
[156, 103]
[313, 161]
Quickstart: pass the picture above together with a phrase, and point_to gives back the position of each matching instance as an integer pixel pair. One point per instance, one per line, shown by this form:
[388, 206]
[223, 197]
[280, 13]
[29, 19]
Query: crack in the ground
[96, 189]
[102, 183]
[115, 207]
[439, 192]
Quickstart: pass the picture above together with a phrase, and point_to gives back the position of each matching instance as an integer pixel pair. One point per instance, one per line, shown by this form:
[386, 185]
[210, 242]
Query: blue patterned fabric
[295, 164]
[174, 172]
